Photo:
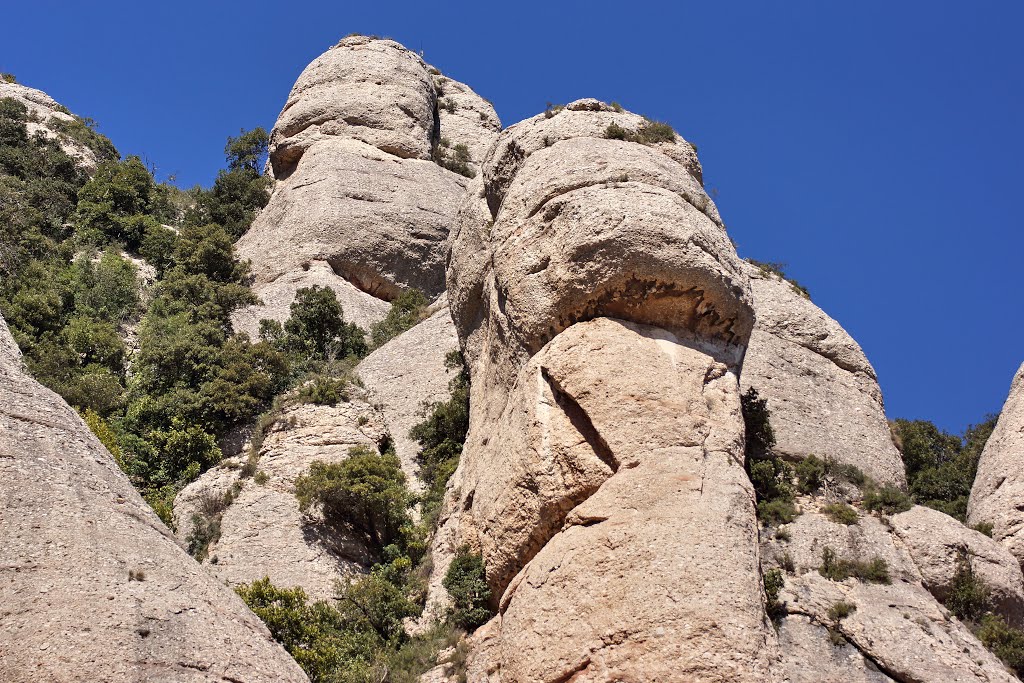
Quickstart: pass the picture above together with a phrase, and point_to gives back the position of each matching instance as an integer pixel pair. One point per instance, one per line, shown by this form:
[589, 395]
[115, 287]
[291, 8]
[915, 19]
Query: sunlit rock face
[359, 204]
[604, 315]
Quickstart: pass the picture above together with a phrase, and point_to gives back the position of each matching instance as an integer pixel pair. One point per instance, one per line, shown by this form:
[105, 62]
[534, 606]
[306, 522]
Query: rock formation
[822, 391]
[360, 205]
[46, 116]
[868, 630]
[261, 530]
[93, 586]
[603, 313]
[997, 497]
[408, 373]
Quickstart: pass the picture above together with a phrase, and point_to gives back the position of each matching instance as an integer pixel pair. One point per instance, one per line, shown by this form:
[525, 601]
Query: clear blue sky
[875, 147]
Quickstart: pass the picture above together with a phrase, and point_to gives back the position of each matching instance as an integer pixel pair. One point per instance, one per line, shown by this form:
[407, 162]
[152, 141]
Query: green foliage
[324, 391]
[812, 472]
[455, 159]
[1004, 641]
[407, 309]
[887, 500]
[113, 203]
[941, 467]
[317, 326]
[649, 133]
[774, 582]
[7, 78]
[83, 132]
[442, 435]
[248, 151]
[774, 512]
[778, 269]
[466, 583]
[365, 493]
[968, 597]
[841, 610]
[983, 528]
[840, 513]
[757, 424]
[834, 568]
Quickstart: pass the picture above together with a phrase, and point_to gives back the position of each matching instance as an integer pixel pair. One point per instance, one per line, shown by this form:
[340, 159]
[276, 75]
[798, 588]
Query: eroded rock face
[407, 374]
[357, 191]
[822, 391]
[893, 631]
[603, 313]
[43, 111]
[936, 541]
[998, 492]
[93, 586]
[262, 531]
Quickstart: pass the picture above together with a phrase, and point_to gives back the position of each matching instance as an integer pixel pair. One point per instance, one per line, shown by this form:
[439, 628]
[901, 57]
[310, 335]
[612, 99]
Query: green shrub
[466, 583]
[407, 309]
[442, 434]
[8, 78]
[984, 528]
[455, 159]
[760, 437]
[841, 610]
[778, 269]
[840, 513]
[773, 585]
[83, 132]
[776, 511]
[649, 133]
[834, 568]
[1004, 641]
[317, 326]
[941, 467]
[968, 597]
[366, 493]
[887, 500]
[324, 391]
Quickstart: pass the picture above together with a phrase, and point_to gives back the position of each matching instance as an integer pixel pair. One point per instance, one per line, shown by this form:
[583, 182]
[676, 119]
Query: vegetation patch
[777, 269]
[834, 568]
[770, 475]
[466, 583]
[840, 513]
[774, 582]
[455, 159]
[407, 309]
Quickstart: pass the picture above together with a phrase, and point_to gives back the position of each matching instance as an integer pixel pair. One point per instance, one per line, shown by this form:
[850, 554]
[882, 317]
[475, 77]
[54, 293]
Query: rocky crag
[610, 331]
[93, 586]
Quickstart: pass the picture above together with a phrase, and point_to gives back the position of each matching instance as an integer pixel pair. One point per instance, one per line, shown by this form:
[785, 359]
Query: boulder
[997, 497]
[93, 586]
[262, 531]
[936, 542]
[822, 392]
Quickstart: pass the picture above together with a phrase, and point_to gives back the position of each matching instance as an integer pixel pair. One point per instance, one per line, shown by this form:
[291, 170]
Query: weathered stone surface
[900, 628]
[935, 541]
[808, 655]
[93, 587]
[262, 532]
[998, 493]
[822, 391]
[42, 108]
[466, 118]
[277, 296]
[658, 453]
[408, 373]
[364, 89]
[357, 190]
[602, 313]
[380, 221]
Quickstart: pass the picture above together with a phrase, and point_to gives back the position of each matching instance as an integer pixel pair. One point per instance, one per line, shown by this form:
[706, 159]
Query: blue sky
[874, 147]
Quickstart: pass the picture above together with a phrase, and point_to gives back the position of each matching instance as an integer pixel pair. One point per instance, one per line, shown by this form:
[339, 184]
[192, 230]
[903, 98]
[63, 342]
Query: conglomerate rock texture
[262, 530]
[93, 587]
[822, 392]
[603, 313]
[895, 630]
[998, 493]
[359, 204]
